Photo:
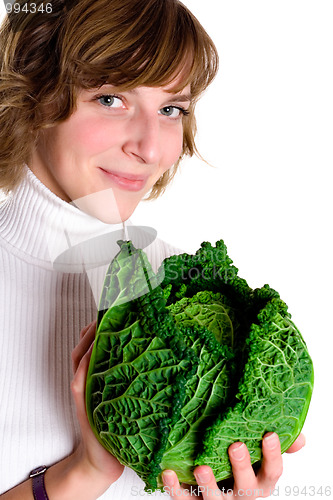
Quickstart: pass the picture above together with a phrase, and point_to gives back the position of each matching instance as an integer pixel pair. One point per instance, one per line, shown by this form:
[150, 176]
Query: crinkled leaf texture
[190, 360]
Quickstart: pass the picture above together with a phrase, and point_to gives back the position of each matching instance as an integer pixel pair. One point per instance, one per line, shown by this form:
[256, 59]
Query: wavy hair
[47, 57]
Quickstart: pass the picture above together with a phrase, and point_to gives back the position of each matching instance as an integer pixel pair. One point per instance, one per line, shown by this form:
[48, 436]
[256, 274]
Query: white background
[266, 127]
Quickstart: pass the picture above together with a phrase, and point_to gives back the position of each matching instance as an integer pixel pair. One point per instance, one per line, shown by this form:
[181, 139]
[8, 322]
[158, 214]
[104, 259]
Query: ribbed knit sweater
[47, 295]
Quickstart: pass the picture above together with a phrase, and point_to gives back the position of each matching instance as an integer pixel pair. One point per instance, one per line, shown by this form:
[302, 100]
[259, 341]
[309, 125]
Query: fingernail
[238, 452]
[167, 476]
[203, 476]
[271, 440]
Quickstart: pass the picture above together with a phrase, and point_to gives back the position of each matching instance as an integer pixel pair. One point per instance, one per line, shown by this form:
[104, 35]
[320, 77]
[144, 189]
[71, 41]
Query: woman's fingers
[171, 484]
[81, 357]
[87, 337]
[297, 445]
[245, 479]
[272, 465]
[84, 331]
[207, 488]
[244, 476]
[78, 385]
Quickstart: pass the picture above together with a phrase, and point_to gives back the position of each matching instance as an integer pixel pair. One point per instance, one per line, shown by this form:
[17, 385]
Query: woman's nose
[143, 140]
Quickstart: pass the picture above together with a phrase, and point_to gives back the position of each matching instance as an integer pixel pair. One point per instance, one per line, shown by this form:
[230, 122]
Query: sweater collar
[38, 224]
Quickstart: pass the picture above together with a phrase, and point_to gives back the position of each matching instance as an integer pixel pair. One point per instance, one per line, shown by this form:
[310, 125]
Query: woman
[97, 110]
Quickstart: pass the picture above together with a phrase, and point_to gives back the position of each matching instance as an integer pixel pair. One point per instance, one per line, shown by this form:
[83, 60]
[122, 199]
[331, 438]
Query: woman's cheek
[95, 136]
[173, 146]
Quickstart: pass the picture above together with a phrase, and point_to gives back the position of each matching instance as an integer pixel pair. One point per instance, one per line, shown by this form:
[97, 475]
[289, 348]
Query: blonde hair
[47, 57]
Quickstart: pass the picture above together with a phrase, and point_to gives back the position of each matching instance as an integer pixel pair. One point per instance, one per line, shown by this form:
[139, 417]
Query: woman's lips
[125, 181]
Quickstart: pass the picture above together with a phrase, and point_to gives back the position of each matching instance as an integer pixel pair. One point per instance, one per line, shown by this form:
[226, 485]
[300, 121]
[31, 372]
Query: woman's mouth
[125, 181]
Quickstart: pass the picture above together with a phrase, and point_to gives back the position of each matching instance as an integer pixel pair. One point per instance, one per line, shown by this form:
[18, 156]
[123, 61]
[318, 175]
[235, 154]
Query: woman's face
[110, 152]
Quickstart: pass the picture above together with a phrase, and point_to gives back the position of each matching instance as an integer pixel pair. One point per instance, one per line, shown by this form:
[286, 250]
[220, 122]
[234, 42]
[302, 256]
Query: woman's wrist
[76, 477]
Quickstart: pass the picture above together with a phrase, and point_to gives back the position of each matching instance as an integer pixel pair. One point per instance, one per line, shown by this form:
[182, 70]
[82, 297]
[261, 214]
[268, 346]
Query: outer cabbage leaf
[206, 393]
[150, 385]
[274, 392]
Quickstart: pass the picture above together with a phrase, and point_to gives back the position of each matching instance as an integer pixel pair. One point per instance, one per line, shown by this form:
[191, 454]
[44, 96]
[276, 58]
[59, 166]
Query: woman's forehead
[179, 84]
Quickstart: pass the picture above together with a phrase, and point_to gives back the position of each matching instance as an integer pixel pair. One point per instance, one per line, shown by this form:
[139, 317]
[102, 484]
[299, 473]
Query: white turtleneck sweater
[48, 293]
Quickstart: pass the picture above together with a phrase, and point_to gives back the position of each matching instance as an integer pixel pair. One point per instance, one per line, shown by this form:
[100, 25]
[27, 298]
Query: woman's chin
[103, 205]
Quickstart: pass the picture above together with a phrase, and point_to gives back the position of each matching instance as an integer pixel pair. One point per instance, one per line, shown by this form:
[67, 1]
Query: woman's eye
[110, 101]
[173, 111]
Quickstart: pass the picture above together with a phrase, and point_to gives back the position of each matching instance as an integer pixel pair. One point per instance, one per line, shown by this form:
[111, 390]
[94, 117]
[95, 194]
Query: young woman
[97, 110]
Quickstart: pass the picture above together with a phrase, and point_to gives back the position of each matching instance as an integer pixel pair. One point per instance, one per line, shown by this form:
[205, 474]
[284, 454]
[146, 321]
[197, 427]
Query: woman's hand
[90, 453]
[247, 484]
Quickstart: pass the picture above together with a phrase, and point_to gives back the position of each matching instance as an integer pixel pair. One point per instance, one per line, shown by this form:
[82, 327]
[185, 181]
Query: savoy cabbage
[189, 360]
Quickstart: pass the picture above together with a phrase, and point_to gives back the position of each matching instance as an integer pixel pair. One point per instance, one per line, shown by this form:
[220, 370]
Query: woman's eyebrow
[182, 97]
[177, 97]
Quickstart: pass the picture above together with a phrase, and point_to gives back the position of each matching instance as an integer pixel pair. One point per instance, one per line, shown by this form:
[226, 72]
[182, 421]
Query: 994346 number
[308, 491]
[28, 8]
